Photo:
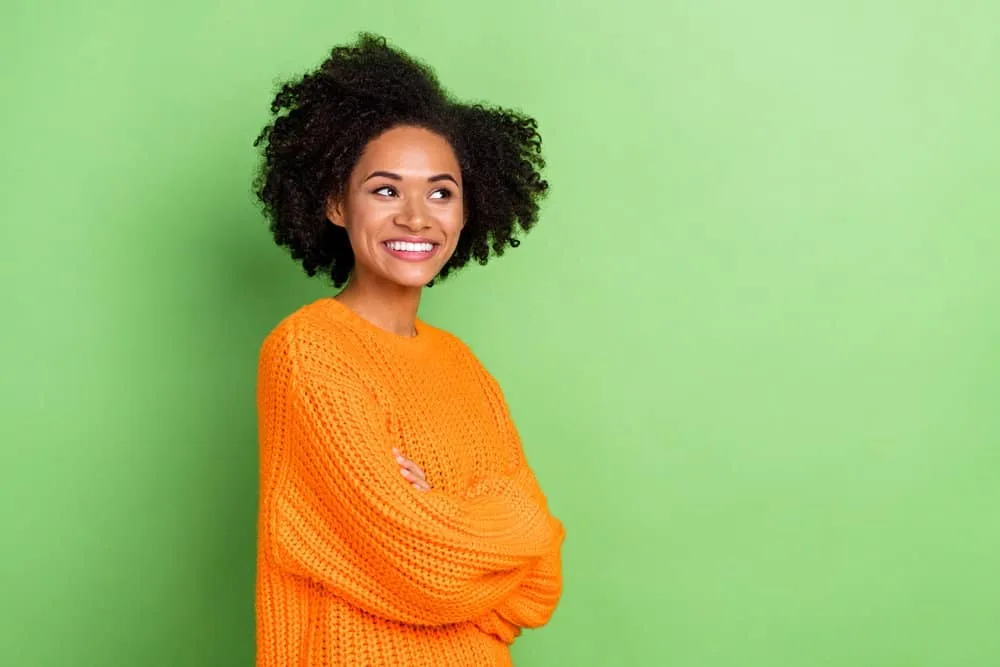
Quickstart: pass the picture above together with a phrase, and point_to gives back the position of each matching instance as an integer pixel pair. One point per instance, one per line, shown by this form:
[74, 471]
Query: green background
[752, 347]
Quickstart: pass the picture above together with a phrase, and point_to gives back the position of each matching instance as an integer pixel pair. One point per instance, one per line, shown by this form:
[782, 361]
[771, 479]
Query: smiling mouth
[413, 251]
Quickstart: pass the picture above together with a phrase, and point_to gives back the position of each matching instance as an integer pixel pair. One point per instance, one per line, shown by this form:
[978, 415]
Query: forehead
[409, 150]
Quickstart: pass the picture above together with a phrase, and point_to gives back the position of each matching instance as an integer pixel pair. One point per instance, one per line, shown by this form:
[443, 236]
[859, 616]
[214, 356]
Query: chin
[413, 280]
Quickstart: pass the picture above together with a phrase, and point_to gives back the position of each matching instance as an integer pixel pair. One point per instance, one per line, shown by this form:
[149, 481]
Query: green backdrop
[752, 347]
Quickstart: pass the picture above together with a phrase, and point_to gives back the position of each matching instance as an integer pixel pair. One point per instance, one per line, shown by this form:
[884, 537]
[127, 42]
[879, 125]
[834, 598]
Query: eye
[385, 191]
[443, 193]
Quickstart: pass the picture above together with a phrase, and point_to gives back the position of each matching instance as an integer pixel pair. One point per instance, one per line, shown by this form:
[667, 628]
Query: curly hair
[322, 122]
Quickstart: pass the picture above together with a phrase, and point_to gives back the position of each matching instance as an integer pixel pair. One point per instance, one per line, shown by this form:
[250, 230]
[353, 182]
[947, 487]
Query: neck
[391, 307]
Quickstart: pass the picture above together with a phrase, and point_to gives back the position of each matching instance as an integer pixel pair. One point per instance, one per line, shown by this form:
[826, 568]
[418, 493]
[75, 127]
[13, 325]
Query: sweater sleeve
[533, 602]
[341, 514]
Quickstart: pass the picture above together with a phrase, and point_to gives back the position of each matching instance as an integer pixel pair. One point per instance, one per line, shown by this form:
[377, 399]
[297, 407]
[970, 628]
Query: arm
[341, 515]
[533, 602]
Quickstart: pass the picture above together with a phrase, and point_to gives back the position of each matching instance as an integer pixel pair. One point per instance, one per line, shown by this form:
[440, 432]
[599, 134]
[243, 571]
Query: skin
[406, 185]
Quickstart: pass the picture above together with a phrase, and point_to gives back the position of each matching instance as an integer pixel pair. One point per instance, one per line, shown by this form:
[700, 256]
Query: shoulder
[446, 340]
[456, 348]
[462, 355]
[310, 337]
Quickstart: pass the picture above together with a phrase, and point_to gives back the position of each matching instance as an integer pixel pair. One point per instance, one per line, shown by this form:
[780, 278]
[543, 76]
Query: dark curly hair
[323, 121]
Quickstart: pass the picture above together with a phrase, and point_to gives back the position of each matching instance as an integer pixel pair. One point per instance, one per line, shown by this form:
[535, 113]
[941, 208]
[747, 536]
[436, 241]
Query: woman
[400, 523]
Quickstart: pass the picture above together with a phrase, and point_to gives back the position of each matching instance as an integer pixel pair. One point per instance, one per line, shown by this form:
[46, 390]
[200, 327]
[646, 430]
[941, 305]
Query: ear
[335, 211]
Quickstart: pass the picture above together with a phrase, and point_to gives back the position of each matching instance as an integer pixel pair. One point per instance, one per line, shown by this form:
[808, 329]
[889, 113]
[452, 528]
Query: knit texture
[354, 565]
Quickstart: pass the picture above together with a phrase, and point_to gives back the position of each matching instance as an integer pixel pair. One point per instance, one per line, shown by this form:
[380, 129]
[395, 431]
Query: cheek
[456, 222]
[363, 226]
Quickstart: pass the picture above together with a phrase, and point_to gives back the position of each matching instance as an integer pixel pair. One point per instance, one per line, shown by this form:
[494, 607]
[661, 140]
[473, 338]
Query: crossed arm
[532, 603]
[340, 514]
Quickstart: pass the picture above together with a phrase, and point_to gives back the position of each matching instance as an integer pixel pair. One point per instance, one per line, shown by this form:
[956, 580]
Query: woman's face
[402, 208]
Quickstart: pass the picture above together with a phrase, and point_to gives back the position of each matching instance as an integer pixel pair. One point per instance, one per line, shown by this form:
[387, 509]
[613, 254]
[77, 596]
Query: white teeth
[409, 247]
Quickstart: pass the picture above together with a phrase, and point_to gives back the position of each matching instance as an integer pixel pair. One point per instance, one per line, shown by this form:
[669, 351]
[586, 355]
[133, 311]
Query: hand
[412, 472]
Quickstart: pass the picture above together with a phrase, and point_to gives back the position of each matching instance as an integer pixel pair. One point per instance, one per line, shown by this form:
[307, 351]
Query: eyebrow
[397, 177]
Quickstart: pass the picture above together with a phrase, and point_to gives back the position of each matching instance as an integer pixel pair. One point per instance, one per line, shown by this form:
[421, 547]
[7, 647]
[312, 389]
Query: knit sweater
[357, 567]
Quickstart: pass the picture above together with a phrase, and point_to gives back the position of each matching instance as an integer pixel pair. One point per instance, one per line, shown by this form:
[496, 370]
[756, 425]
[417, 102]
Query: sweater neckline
[374, 332]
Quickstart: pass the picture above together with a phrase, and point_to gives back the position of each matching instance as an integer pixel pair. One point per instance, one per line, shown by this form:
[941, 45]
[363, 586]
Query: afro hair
[322, 121]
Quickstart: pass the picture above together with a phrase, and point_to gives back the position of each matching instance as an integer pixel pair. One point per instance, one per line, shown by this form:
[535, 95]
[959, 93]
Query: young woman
[400, 523]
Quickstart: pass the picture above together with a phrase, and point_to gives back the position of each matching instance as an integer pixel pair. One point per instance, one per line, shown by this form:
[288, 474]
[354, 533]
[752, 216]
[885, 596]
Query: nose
[412, 216]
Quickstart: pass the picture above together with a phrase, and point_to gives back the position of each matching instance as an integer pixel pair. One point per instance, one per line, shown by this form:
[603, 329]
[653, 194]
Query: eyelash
[447, 193]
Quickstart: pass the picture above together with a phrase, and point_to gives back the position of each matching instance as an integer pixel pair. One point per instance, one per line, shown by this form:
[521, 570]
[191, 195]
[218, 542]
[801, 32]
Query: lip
[411, 239]
[409, 256]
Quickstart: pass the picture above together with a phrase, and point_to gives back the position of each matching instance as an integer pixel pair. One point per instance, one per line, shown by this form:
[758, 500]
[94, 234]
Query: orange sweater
[355, 566]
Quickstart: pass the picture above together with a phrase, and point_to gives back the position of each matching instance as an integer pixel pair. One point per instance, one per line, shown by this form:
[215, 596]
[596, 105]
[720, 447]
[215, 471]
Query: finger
[413, 476]
[407, 464]
[415, 469]
[399, 455]
[418, 483]
[411, 471]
